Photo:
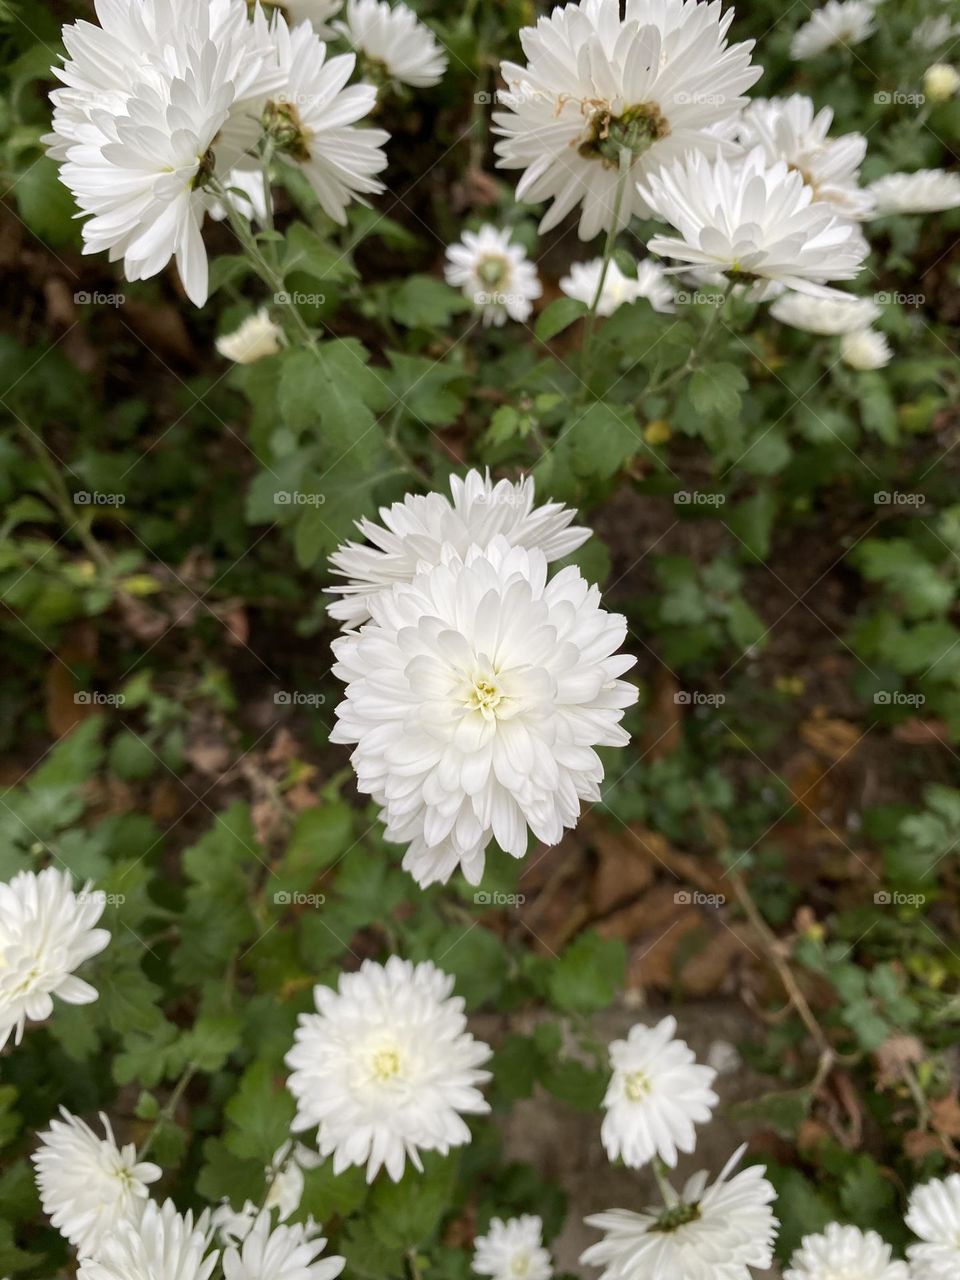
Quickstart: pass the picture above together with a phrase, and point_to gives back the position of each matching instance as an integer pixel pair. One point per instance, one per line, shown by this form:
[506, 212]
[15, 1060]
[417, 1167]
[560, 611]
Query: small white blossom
[865, 349]
[941, 82]
[841, 313]
[925, 191]
[651, 282]
[839, 22]
[395, 41]
[933, 1214]
[258, 336]
[494, 274]
[163, 1245]
[512, 1250]
[280, 1253]
[285, 1177]
[845, 1253]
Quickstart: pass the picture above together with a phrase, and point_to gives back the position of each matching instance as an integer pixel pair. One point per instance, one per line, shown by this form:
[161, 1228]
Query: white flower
[841, 313]
[494, 274]
[656, 1095]
[659, 82]
[651, 283]
[933, 1214]
[285, 1177]
[753, 222]
[247, 192]
[925, 191]
[258, 336]
[512, 1250]
[476, 697]
[941, 81]
[316, 12]
[232, 1226]
[865, 349]
[392, 38]
[845, 1253]
[386, 1067]
[46, 932]
[164, 1245]
[843, 22]
[787, 129]
[283, 1253]
[415, 531]
[931, 33]
[715, 1232]
[88, 1185]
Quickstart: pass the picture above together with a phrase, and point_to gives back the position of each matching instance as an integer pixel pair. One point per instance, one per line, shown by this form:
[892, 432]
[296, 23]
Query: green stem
[663, 1183]
[61, 497]
[170, 1108]
[586, 367]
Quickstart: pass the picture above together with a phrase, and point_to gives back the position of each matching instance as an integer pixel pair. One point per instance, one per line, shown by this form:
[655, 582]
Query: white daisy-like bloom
[830, 317]
[494, 274]
[659, 82]
[393, 43]
[709, 1232]
[512, 1250]
[941, 81]
[933, 1214]
[281, 1252]
[88, 1185]
[865, 349]
[657, 1095]
[789, 129]
[933, 32]
[651, 282]
[925, 191]
[46, 933]
[476, 697]
[845, 1253]
[386, 1068]
[753, 222]
[839, 22]
[416, 530]
[163, 1245]
[257, 337]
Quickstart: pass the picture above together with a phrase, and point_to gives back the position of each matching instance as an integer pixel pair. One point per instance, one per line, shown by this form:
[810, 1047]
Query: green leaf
[260, 1114]
[306, 252]
[603, 438]
[406, 1214]
[423, 302]
[588, 975]
[557, 316]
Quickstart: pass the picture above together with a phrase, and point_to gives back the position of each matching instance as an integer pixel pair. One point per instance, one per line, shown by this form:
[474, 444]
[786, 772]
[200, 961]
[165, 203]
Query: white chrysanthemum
[845, 1253]
[46, 932]
[865, 349]
[164, 1245]
[839, 22]
[285, 1177]
[415, 531]
[925, 191]
[826, 316]
[788, 129]
[752, 222]
[392, 38]
[659, 82]
[657, 1094]
[476, 697]
[933, 32]
[317, 12]
[247, 192]
[941, 81]
[933, 1214]
[387, 1068]
[715, 1232]
[494, 274]
[512, 1250]
[651, 282]
[280, 1253]
[232, 1226]
[88, 1185]
[257, 337]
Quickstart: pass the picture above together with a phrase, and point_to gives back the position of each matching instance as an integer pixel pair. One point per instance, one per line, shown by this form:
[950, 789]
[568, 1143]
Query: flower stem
[586, 366]
[663, 1183]
[169, 1110]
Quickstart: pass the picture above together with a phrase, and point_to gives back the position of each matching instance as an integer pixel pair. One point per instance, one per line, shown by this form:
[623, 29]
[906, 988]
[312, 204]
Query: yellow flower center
[386, 1064]
[636, 1086]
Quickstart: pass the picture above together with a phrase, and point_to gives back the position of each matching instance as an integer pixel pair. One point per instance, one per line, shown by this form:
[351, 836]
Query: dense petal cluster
[415, 531]
[934, 1215]
[386, 1067]
[163, 1245]
[841, 1252]
[89, 1185]
[257, 337]
[709, 1232]
[512, 1249]
[494, 273]
[865, 349]
[839, 314]
[395, 41]
[658, 82]
[46, 933]
[651, 282]
[475, 698]
[753, 222]
[269, 1252]
[656, 1096]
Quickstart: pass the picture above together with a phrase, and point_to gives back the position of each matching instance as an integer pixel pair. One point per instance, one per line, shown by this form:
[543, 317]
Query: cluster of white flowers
[479, 688]
[172, 109]
[494, 273]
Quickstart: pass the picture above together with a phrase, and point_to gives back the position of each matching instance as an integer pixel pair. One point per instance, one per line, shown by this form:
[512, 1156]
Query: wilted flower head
[494, 274]
[415, 531]
[258, 336]
[46, 933]
[393, 43]
[512, 1250]
[933, 1214]
[841, 1251]
[386, 1067]
[89, 1185]
[163, 1245]
[658, 82]
[651, 282]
